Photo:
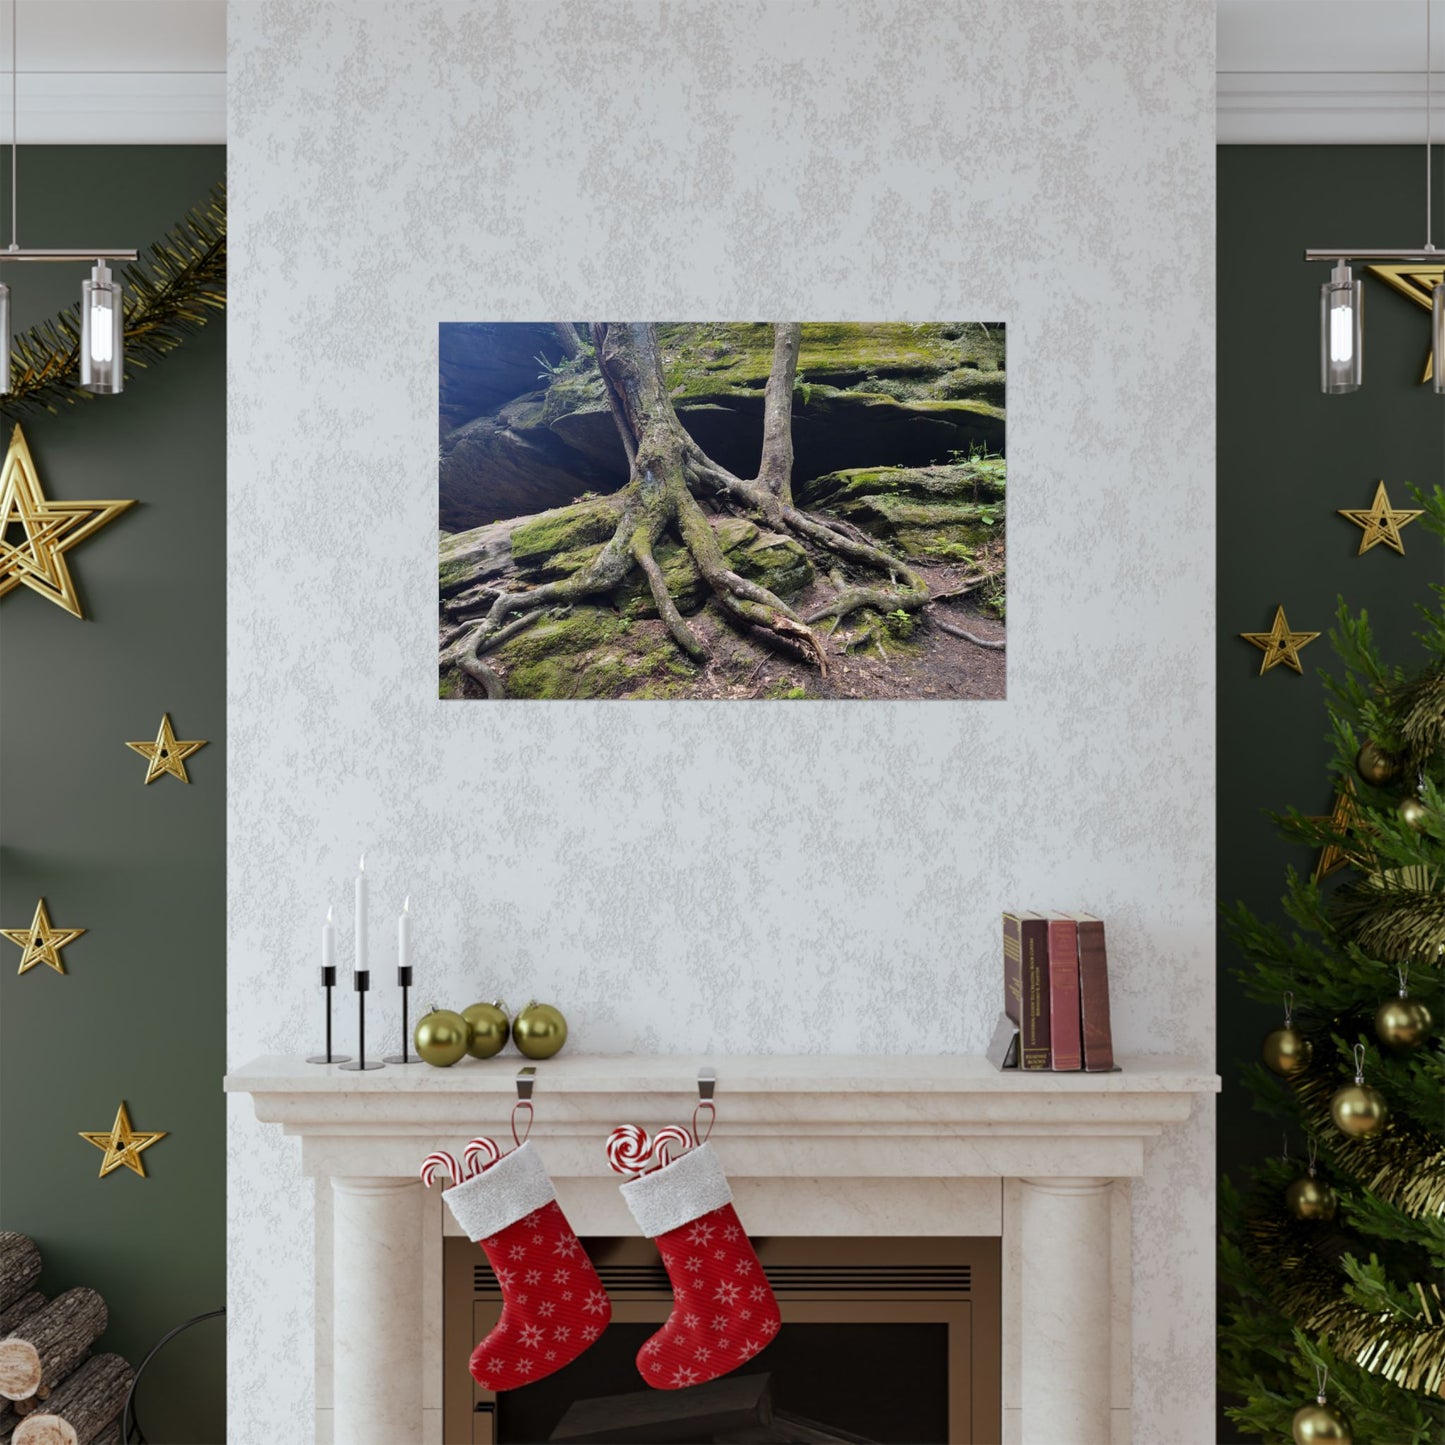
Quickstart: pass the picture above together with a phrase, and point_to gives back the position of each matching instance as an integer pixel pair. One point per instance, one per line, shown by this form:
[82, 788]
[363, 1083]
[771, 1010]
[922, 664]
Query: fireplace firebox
[883, 1340]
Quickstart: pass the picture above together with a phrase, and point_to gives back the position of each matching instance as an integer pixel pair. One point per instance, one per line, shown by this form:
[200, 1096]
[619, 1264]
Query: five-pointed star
[166, 754]
[1381, 522]
[1280, 644]
[122, 1144]
[1344, 819]
[1418, 282]
[36, 531]
[41, 942]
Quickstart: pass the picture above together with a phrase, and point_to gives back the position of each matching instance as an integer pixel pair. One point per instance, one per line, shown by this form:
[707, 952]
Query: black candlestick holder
[362, 979]
[328, 982]
[403, 980]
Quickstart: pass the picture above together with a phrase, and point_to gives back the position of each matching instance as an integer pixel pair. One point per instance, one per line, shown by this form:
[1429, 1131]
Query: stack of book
[1056, 994]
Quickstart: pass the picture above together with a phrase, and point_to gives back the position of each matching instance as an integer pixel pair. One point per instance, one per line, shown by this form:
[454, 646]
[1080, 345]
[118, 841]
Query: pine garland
[170, 292]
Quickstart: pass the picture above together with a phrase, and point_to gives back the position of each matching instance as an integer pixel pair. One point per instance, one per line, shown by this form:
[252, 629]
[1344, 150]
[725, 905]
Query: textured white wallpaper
[748, 877]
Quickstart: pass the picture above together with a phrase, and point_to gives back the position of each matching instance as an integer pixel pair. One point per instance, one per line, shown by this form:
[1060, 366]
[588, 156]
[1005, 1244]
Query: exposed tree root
[954, 630]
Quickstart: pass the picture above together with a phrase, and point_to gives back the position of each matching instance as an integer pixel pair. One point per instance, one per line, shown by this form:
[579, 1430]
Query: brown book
[1098, 1037]
[1064, 994]
[1026, 984]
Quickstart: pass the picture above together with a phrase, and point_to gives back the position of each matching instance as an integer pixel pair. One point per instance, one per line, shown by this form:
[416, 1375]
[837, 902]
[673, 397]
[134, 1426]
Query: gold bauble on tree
[539, 1031]
[1414, 814]
[490, 1028]
[1287, 1051]
[1317, 1423]
[441, 1038]
[1403, 1022]
[1375, 766]
[1357, 1109]
[1311, 1198]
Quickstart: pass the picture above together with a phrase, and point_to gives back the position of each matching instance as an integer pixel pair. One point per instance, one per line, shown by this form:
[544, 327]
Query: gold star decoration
[1280, 645]
[122, 1144]
[1381, 522]
[166, 754]
[41, 943]
[36, 531]
[1418, 282]
[1344, 819]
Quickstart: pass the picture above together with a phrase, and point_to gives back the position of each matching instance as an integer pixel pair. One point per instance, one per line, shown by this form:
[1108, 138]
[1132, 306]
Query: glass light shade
[4, 337]
[1342, 335]
[102, 333]
[1437, 335]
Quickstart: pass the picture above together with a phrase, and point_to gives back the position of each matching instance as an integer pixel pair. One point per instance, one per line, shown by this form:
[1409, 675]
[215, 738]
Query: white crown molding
[1333, 108]
[117, 108]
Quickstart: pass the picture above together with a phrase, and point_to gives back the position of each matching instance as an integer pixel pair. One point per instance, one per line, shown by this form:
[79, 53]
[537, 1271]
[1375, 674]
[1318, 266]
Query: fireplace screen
[883, 1340]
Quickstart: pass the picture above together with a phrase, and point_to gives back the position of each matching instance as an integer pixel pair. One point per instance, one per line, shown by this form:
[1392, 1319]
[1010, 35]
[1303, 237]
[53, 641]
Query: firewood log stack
[52, 1392]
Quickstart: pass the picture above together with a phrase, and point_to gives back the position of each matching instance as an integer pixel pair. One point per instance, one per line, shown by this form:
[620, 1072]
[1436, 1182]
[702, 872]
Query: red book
[1094, 995]
[1026, 985]
[1064, 1036]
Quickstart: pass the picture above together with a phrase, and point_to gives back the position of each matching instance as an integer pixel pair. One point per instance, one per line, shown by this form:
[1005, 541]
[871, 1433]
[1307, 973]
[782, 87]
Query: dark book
[1003, 1047]
[1098, 1037]
[1064, 1038]
[1026, 984]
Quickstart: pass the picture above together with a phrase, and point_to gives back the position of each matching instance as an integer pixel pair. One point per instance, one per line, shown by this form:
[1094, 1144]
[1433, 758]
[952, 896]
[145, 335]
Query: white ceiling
[1289, 71]
[116, 71]
[1327, 71]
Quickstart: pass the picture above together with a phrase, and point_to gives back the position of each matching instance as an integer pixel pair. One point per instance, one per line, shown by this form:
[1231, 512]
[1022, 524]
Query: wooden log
[50, 1343]
[22, 1308]
[86, 1403]
[19, 1266]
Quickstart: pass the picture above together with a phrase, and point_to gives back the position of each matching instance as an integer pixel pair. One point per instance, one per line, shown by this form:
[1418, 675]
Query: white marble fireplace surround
[814, 1145]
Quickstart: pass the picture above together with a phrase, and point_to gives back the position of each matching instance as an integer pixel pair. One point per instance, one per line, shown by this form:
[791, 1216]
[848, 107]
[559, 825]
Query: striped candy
[440, 1160]
[664, 1140]
[480, 1148]
[627, 1149]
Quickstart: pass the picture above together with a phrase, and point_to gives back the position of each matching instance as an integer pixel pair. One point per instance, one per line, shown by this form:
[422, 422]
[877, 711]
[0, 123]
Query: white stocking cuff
[510, 1190]
[684, 1190]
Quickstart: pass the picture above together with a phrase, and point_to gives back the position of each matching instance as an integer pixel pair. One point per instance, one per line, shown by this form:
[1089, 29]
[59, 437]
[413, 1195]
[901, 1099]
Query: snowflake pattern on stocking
[543, 1328]
[710, 1331]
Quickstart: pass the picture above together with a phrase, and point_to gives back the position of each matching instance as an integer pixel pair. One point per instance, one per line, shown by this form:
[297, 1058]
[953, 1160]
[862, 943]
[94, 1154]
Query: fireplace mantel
[926, 1145]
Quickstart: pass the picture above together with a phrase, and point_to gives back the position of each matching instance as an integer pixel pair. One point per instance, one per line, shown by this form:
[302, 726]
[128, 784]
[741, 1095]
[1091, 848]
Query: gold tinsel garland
[1404, 1164]
[1310, 1293]
[170, 291]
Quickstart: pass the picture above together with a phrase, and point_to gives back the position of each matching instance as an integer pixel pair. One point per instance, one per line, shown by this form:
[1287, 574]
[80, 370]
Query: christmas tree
[1340, 1268]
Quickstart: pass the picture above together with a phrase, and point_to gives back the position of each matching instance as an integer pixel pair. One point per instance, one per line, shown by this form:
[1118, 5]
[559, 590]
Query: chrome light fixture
[1342, 298]
[102, 309]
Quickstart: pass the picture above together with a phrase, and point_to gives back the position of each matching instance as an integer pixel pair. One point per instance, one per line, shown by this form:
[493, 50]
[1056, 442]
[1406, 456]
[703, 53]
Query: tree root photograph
[717, 510]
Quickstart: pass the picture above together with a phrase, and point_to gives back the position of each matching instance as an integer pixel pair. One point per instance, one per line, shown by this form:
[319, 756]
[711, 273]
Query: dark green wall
[140, 1014]
[1288, 457]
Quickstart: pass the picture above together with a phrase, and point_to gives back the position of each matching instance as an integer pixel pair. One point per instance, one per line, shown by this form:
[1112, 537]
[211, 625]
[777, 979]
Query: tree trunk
[80, 1408]
[19, 1266]
[50, 1343]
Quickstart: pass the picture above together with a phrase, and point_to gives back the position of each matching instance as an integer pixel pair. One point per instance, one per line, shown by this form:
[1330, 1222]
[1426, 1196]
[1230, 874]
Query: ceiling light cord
[14, 131]
[1429, 126]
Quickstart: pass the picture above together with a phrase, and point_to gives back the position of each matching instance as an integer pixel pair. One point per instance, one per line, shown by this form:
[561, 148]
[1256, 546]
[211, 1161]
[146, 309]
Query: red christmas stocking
[724, 1311]
[553, 1304]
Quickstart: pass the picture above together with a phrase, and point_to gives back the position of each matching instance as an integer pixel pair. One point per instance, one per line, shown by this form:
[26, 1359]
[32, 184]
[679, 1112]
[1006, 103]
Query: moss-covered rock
[557, 543]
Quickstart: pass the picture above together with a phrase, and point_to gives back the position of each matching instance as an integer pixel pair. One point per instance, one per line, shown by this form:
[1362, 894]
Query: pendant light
[102, 309]
[1342, 297]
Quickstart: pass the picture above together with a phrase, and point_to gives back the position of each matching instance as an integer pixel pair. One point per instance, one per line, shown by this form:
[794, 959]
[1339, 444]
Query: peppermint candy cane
[482, 1149]
[440, 1160]
[674, 1139]
[628, 1151]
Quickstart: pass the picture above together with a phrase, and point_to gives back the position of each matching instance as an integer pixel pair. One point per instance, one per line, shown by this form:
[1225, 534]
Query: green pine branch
[170, 292]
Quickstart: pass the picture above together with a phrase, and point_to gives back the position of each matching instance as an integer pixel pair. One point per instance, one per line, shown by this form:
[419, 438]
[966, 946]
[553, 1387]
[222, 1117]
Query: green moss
[541, 543]
[784, 691]
[450, 685]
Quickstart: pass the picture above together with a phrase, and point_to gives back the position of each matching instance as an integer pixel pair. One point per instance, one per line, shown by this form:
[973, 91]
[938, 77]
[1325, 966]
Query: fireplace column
[1064, 1311]
[376, 1310]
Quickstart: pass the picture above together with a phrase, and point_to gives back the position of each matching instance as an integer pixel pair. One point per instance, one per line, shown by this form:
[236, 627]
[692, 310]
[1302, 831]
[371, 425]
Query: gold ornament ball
[441, 1037]
[1403, 1023]
[1287, 1051]
[489, 1027]
[1358, 1110]
[1414, 814]
[1374, 766]
[1311, 1198]
[1314, 1424]
[539, 1031]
